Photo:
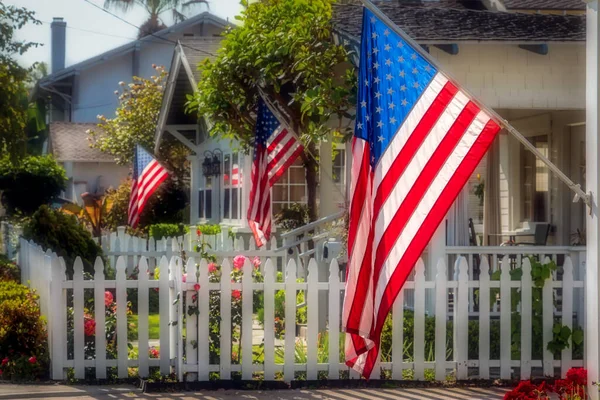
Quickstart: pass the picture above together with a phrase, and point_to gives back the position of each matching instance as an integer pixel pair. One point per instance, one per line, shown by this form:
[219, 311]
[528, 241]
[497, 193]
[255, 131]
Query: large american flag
[417, 140]
[148, 174]
[275, 149]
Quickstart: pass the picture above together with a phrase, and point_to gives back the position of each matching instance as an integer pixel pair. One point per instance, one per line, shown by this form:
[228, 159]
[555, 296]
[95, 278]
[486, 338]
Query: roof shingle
[544, 4]
[69, 142]
[451, 24]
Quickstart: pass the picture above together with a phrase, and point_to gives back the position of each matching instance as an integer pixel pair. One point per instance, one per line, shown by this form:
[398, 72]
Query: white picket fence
[189, 357]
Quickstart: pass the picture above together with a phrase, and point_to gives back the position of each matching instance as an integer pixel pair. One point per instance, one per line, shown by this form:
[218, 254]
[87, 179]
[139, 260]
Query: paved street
[54, 392]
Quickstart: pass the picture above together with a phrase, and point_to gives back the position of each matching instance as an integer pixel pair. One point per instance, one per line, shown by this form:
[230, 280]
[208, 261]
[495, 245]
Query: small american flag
[275, 149]
[148, 174]
[417, 140]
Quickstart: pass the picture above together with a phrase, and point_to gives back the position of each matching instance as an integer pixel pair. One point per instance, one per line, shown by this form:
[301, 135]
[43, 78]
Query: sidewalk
[126, 392]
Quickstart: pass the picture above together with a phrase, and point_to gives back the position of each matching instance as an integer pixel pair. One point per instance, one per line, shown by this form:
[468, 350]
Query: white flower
[116, 92]
[121, 83]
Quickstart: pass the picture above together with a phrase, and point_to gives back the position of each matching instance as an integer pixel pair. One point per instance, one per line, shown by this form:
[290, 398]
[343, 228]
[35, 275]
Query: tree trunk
[311, 170]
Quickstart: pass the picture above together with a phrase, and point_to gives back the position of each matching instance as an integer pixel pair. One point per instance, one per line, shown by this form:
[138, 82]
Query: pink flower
[256, 262]
[153, 352]
[108, 298]
[89, 327]
[32, 360]
[197, 287]
[5, 361]
[238, 262]
[184, 278]
[236, 294]
[212, 268]
[198, 232]
[194, 297]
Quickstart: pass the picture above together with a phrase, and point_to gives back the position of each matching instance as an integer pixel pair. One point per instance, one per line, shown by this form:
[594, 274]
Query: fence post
[121, 291]
[269, 296]
[143, 305]
[567, 313]
[334, 320]
[290, 321]
[484, 318]
[312, 304]
[100, 315]
[505, 319]
[177, 326]
[548, 322]
[419, 333]
[191, 325]
[164, 307]
[78, 335]
[246, 328]
[225, 361]
[526, 317]
[398, 337]
[441, 299]
[58, 325]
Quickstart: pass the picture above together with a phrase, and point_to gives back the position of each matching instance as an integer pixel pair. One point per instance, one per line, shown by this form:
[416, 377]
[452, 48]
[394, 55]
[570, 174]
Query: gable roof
[69, 142]
[439, 25]
[544, 4]
[131, 46]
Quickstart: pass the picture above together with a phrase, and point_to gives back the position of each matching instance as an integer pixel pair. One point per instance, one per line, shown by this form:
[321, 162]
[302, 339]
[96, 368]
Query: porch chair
[540, 236]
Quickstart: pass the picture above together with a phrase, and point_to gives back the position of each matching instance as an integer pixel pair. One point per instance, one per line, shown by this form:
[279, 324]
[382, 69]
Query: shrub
[34, 181]
[9, 271]
[23, 338]
[64, 235]
[159, 231]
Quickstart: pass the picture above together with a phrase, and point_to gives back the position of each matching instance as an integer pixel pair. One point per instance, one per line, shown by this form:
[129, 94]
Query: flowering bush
[153, 352]
[9, 271]
[23, 337]
[571, 388]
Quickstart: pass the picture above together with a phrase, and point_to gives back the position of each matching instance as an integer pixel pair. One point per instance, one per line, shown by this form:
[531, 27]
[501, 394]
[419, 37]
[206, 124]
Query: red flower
[108, 298]
[5, 361]
[236, 294]
[153, 352]
[197, 287]
[256, 262]
[89, 327]
[238, 262]
[194, 297]
[32, 360]
[198, 232]
[184, 278]
[212, 268]
[578, 376]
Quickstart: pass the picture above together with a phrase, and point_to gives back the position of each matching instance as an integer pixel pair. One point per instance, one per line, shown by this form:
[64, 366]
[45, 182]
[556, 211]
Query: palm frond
[194, 2]
[123, 5]
[177, 16]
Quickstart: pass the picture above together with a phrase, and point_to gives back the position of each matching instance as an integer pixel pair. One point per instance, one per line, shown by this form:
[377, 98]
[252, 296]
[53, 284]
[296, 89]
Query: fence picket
[334, 320]
[143, 305]
[177, 325]
[505, 320]
[312, 305]
[121, 313]
[419, 315]
[164, 310]
[526, 318]
[398, 335]
[246, 328]
[225, 364]
[548, 322]
[100, 316]
[57, 319]
[203, 322]
[567, 313]
[290, 321]
[78, 333]
[484, 318]
[441, 299]
[269, 302]
[461, 323]
[191, 325]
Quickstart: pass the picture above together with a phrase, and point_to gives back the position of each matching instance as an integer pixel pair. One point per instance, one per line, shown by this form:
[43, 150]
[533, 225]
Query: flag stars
[380, 138]
[374, 35]
[402, 73]
[386, 32]
[416, 85]
[366, 82]
[363, 104]
[375, 50]
[359, 126]
[388, 62]
[415, 71]
[403, 88]
[400, 59]
[391, 106]
[376, 65]
[387, 47]
[414, 56]
[388, 77]
[367, 118]
[393, 120]
[378, 94]
[378, 110]
[373, 20]
[380, 124]
[390, 91]
[376, 80]
[400, 45]
[404, 102]
[427, 68]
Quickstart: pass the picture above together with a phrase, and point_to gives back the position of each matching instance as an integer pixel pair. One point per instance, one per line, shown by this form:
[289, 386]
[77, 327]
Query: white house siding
[92, 177]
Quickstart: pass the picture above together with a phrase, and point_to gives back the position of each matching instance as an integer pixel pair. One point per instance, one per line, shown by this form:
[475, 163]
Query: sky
[91, 31]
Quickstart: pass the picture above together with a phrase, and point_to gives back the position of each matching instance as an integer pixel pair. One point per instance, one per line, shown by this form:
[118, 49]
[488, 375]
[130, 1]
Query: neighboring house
[88, 170]
[78, 93]
[529, 67]
[565, 7]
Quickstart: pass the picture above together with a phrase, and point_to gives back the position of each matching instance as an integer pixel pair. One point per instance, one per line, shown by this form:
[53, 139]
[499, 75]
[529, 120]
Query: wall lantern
[212, 163]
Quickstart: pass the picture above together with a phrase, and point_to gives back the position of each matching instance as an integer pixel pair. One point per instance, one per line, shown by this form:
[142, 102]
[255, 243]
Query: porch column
[592, 285]
[326, 185]
[195, 172]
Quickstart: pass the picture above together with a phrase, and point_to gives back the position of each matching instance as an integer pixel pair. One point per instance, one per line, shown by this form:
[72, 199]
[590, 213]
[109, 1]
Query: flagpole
[579, 193]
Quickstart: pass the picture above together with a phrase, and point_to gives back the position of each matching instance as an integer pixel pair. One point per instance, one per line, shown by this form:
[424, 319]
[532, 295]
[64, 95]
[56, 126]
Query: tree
[13, 113]
[285, 48]
[155, 8]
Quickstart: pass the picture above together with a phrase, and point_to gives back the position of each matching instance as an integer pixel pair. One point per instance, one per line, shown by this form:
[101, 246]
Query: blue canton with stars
[391, 79]
[266, 124]
[142, 159]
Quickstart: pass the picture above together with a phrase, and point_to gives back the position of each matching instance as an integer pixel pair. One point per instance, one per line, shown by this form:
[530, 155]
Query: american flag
[417, 140]
[275, 149]
[148, 174]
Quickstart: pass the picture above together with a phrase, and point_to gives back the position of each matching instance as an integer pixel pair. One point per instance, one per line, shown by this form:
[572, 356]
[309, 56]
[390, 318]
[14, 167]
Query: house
[76, 94]
[530, 67]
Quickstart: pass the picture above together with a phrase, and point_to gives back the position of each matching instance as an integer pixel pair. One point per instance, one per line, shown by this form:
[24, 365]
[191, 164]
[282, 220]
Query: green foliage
[293, 217]
[159, 231]
[9, 271]
[60, 232]
[208, 229]
[13, 103]
[23, 337]
[30, 182]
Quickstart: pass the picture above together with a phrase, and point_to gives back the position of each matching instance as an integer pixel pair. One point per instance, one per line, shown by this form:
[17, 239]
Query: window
[339, 168]
[535, 178]
[232, 187]
[205, 199]
[290, 188]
